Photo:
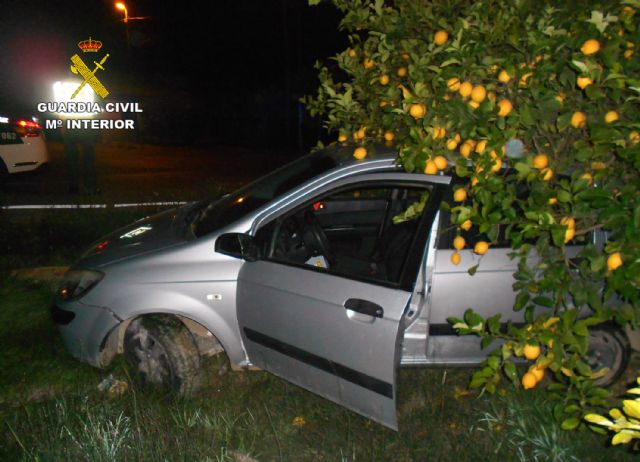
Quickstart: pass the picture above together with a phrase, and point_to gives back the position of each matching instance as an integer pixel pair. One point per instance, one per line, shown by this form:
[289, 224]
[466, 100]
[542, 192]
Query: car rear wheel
[608, 348]
[161, 352]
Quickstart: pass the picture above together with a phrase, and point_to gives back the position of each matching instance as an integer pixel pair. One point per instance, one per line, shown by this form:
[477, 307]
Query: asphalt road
[138, 172]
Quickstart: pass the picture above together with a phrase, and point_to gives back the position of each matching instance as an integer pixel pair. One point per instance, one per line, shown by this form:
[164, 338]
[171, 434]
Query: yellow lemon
[418, 110]
[459, 243]
[441, 162]
[383, 103]
[360, 153]
[455, 258]
[453, 84]
[342, 137]
[634, 137]
[504, 76]
[569, 222]
[405, 56]
[352, 53]
[478, 93]
[614, 261]
[583, 82]
[611, 117]
[466, 149]
[628, 54]
[474, 180]
[553, 200]
[504, 107]
[587, 176]
[439, 132]
[531, 352]
[569, 234]
[431, 168]
[440, 37]
[578, 119]
[389, 135]
[402, 71]
[358, 135]
[529, 381]
[547, 174]
[480, 147]
[452, 144]
[460, 195]
[474, 104]
[465, 89]
[590, 47]
[598, 165]
[537, 372]
[524, 80]
[368, 63]
[384, 79]
[497, 165]
[466, 225]
[540, 161]
[481, 247]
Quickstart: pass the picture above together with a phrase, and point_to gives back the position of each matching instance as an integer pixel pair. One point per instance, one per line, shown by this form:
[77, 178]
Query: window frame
[419, 240]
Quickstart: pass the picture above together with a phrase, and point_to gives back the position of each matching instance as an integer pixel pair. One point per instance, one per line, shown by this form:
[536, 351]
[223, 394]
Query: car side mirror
[238, 245]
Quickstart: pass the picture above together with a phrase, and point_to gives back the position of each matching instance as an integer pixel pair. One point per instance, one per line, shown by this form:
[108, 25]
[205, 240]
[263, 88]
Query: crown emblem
[90, 45]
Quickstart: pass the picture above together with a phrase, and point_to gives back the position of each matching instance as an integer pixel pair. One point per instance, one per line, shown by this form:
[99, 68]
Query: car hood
[154, 233]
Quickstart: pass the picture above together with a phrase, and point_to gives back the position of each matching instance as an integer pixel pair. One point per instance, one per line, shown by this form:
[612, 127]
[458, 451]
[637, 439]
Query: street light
[121, 6]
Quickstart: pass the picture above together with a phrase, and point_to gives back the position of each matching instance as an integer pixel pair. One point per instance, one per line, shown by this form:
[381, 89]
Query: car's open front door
[332, 333]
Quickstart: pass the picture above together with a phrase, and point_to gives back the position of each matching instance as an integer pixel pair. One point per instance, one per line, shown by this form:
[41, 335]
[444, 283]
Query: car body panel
[21, 153]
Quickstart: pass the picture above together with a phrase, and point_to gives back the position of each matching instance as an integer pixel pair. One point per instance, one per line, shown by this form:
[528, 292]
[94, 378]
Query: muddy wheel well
[113, 344]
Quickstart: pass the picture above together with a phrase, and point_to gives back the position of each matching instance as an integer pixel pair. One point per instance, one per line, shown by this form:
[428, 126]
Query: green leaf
[473, 270]
[570, 424]
[598, 420]
[564, 196]
[543, 301]
[510, 371]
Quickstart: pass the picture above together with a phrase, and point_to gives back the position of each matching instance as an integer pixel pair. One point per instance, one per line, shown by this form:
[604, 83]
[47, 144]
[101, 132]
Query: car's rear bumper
[26, 157]
[84, 329]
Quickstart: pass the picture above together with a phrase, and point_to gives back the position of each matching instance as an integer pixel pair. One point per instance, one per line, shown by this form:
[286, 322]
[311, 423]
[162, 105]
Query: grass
[51, 408]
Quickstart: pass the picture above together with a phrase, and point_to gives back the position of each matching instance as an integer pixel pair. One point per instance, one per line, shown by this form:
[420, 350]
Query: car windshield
[213, 215]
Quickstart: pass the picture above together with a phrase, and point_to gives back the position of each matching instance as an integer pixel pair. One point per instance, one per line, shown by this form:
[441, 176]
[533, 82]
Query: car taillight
[28, 128]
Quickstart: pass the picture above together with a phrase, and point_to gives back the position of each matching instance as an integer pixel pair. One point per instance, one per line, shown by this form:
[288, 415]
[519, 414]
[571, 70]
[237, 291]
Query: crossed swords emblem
[88, 75]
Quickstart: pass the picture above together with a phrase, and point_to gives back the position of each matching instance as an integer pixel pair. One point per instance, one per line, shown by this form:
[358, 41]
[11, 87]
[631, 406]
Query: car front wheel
[162, 352]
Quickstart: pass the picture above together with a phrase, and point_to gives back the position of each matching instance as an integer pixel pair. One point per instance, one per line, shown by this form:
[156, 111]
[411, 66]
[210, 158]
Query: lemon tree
[528, 95]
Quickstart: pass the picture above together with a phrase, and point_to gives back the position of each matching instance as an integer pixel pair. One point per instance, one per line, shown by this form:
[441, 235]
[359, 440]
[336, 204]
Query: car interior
[361, 233]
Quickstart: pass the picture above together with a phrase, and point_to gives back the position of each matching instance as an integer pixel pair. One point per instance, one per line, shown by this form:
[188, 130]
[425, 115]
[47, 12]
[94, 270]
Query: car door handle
[365, 307]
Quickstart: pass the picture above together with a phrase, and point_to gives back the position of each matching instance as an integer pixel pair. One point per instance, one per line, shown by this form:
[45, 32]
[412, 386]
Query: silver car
[329, 272]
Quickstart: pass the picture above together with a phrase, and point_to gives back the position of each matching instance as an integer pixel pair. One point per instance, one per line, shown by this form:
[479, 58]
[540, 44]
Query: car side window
[360, 232]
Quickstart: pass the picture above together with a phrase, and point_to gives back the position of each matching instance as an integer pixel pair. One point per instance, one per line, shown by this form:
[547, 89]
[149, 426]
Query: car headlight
[76, 283]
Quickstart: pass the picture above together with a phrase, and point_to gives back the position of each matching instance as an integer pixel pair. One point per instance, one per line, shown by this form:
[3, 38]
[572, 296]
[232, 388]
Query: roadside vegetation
[534, 106]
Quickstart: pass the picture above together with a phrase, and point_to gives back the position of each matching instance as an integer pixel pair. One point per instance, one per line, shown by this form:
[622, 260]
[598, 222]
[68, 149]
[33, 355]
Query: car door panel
[349, 361]
[339, 334]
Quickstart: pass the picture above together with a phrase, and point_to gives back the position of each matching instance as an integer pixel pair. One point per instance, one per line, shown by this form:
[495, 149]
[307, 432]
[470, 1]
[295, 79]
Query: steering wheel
[315, 238]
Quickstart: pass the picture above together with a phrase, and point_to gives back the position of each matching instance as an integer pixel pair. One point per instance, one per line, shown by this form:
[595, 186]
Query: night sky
[217, 61]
